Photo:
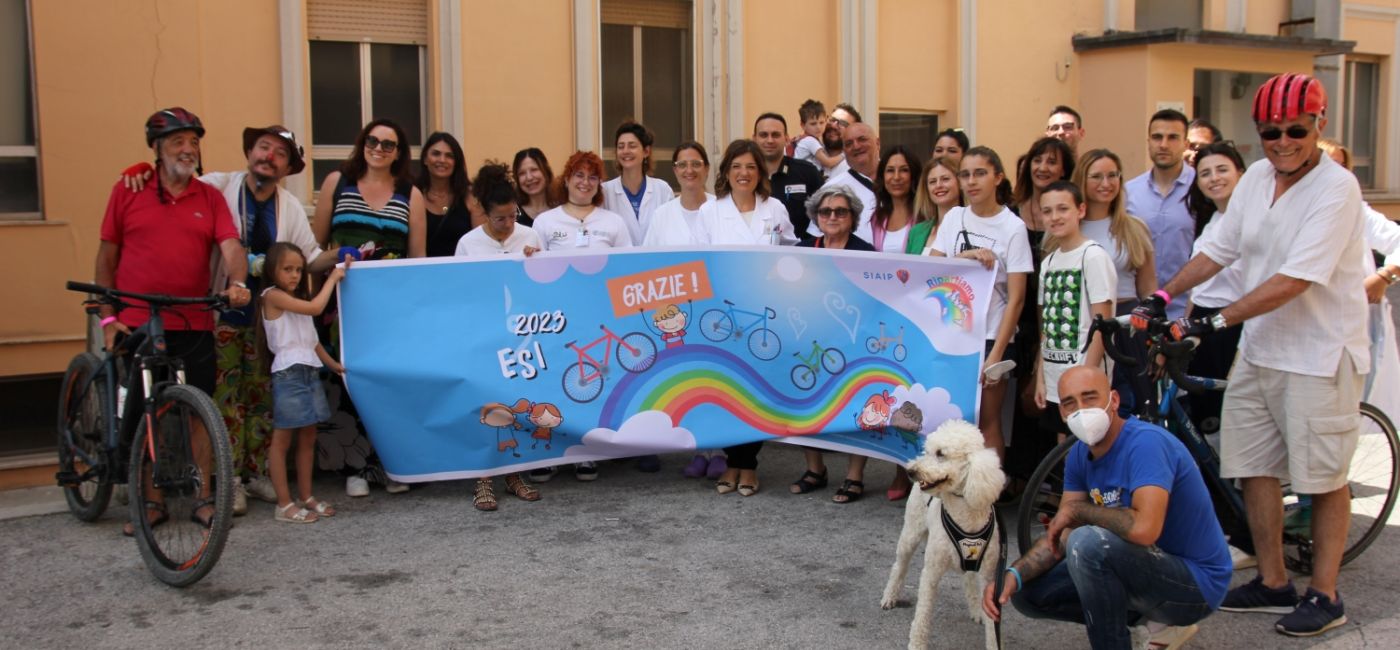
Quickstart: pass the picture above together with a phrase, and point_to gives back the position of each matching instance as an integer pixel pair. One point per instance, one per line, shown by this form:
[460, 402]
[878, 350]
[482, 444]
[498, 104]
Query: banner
[463, 367]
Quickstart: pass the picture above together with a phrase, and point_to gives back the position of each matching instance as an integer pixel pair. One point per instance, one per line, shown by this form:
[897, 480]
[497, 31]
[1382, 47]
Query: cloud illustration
[644, 433]
[545, 268]
[936, 404]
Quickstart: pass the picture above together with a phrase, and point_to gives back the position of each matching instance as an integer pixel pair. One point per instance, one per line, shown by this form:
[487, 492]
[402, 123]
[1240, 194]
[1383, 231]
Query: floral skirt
[242, 391]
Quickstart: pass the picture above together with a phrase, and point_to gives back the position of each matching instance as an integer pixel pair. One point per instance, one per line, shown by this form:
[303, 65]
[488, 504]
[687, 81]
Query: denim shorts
[298, 398]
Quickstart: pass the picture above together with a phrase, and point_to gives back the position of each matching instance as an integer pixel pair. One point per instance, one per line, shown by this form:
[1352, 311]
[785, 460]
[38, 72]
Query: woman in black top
[442, 179]
[835, 209]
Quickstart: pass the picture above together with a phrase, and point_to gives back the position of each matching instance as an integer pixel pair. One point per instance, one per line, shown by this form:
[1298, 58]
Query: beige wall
[790, 56]
[918, 57]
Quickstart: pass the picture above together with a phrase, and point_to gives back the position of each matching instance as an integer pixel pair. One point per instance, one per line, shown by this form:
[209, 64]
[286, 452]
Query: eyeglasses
[582, 177]
[1099, 178]
[689, 164]
[833, 213]
[387, 146]
[839, 122]
[974, 173]
[1295, 132]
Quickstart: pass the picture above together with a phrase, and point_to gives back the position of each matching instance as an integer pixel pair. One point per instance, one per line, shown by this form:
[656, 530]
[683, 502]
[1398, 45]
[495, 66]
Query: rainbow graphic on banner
[694, 375]
[955, 297]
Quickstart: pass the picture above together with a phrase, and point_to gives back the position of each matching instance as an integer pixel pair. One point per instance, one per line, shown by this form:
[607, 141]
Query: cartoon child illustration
[501, 417]
[669, 323]
[875, 413]
[544, 416]
[907, 421]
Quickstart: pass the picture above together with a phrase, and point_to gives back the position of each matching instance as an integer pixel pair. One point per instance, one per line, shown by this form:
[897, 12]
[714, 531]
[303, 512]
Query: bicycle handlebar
[1110, 327]
[154, 299]
[1176, 354]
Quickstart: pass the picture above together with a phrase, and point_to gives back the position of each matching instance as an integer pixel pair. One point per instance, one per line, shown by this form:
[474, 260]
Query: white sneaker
[240, 499]
[1171, 637]
[394, 487]
[1241, 559]
[260, 488]
[356, 486]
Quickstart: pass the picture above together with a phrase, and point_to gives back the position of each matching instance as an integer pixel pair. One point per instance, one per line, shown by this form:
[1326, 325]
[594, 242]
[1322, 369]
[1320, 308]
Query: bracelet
[1016, 574]
[1166, 297]
[107, 321]
[240, 285]
[1390, 278]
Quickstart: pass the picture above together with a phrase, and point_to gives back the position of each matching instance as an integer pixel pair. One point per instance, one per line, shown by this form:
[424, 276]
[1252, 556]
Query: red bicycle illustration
[583, 381]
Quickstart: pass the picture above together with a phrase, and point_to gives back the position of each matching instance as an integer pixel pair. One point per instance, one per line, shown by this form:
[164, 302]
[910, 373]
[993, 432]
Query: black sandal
[129, 528]
[803, 485]
[194, 513]
[846, 495]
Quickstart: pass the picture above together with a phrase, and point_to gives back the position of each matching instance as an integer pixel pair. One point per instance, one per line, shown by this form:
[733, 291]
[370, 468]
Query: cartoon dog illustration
[545, 416]
[502, 418]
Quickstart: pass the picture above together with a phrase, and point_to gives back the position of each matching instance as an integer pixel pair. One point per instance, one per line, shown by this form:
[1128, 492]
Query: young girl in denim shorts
[298, 399]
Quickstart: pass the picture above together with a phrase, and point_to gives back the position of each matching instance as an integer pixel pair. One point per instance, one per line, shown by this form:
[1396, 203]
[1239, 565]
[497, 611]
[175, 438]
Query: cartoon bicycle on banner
[878, 344]
[804, 375]
[583, 381]
[719, 325]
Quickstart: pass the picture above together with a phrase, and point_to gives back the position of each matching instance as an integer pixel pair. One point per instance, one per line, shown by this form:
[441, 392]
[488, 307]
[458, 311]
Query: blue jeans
[1107, 583]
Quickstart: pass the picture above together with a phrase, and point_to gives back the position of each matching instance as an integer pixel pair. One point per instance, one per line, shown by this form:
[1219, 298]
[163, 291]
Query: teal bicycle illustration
[878, 344]
[720, 325]
[804, 375]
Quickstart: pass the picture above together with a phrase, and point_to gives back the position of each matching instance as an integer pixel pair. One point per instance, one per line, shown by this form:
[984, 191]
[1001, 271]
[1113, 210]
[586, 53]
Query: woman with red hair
[582, 222]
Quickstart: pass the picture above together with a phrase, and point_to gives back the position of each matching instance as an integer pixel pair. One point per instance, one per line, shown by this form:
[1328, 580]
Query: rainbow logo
[955, 297]
[691, 376]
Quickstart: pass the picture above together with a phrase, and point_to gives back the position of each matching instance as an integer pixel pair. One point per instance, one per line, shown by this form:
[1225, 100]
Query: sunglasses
[833, 213]
[1295, 132]
[387, 146]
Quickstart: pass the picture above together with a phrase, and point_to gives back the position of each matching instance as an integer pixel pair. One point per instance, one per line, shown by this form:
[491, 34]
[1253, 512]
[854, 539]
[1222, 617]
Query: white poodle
[959, 475]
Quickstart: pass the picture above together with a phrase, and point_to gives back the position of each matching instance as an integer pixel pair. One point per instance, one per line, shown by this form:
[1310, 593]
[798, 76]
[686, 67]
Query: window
[1224, 97]
[916, 131]
[647, 72]
[1166, 14]
[19, 155]
[367, 61]
[1362, 115]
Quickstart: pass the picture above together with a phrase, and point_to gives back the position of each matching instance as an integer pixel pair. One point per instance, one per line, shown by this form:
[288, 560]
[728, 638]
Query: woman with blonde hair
[1099, 175]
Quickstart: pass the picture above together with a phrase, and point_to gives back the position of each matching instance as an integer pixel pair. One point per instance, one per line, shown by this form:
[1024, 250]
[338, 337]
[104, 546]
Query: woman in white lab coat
[744, 212]
[634, 194]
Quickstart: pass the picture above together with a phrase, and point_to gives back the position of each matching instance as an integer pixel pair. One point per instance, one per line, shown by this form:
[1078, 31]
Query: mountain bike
[1374, 476]
[804, 374]
[583, 380]
[719, 325]
[170, 446]
[878, 344]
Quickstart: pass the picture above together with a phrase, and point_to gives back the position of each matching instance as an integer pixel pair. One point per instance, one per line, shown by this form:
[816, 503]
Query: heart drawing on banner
[847, 315]
[795, 320]
[903, 276]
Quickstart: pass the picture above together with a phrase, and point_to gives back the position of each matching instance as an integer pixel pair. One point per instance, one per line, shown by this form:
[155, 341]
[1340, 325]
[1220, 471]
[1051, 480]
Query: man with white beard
[159, 240]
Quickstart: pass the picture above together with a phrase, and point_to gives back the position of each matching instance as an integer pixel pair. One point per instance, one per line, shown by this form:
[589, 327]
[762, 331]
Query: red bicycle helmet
[1287, 96]
[170, 120]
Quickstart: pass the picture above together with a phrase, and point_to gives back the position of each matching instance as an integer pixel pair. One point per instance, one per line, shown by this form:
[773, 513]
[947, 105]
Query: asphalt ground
[632, 560]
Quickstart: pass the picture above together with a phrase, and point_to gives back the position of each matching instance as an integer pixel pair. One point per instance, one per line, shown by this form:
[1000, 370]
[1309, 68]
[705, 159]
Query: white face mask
[1090, 425]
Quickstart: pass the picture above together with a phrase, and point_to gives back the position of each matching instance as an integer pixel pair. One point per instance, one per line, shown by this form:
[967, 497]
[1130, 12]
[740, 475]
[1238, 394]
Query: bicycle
[1374, 477]
[804, 375]
[583, 380]
[878, 344]
[721, 324]
[150, 446]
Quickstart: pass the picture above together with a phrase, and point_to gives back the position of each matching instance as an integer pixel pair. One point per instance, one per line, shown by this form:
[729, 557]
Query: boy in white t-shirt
[809, 144]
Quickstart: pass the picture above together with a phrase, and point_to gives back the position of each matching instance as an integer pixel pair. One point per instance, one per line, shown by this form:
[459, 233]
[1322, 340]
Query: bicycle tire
[716, 325]
[764, 344]
[1043, 493]
[83, 402]
[900, 352]
[181, 550]
[803, 377]
[872, 345]
[576, 388]
[834, 361]
[1379, 447]
[645, 356]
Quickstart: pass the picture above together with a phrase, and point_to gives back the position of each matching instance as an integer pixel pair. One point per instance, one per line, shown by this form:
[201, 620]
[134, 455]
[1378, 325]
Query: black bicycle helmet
[170, 120]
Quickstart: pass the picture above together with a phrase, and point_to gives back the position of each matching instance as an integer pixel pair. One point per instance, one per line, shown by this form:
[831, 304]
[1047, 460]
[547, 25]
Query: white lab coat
[723, 224]
[655, 193]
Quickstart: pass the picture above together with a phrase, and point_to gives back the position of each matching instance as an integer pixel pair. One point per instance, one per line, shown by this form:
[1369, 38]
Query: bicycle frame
[608, 337]
[812, 360]
[759, 320]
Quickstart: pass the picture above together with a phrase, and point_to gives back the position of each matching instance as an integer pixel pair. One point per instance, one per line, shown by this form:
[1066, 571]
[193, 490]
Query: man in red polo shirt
[160, 240]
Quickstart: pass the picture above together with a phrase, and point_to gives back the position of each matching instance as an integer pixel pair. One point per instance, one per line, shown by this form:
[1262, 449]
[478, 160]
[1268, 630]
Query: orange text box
[670, 285]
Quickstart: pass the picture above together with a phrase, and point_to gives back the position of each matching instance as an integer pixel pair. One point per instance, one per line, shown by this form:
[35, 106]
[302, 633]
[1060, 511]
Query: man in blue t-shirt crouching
[1135, 540]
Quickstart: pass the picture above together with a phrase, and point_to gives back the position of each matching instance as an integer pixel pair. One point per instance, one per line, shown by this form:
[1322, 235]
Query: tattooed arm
[1043, 556]
[1140, 524]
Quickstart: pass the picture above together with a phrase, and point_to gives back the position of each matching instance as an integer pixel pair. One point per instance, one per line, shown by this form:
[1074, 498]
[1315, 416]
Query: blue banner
[462, 368]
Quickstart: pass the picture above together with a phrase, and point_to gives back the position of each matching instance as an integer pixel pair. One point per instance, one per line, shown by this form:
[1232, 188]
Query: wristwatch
[1218, 321]
[1388, 276]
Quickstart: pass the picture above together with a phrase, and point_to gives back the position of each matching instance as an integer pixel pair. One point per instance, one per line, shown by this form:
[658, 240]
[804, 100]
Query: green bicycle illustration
[804, 375]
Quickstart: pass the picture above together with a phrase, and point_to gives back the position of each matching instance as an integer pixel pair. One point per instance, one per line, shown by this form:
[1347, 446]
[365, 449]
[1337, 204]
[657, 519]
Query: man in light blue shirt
[1158, 197]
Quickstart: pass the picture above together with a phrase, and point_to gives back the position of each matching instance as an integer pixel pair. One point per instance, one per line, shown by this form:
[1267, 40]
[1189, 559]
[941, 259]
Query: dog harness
[972, 547]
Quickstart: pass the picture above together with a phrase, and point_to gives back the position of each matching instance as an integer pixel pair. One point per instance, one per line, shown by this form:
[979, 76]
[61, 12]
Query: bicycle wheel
[900, 352]
[872, 345]
[764, 344]
[642, 354]
[1374, 479]
[1042, 497]
[83, 404]
[834, 361]
[576, 388]
[189, 472]
[803, 377]
[716, 325]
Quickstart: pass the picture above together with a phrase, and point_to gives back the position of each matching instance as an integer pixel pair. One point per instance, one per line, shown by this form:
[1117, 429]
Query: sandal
[724, 487]
[199, 505]
[810, 481]
[846, 494]
[319, 507]
[129, 528]
[748, 490]
[521, 489]
[484, 498]
[294, 514]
